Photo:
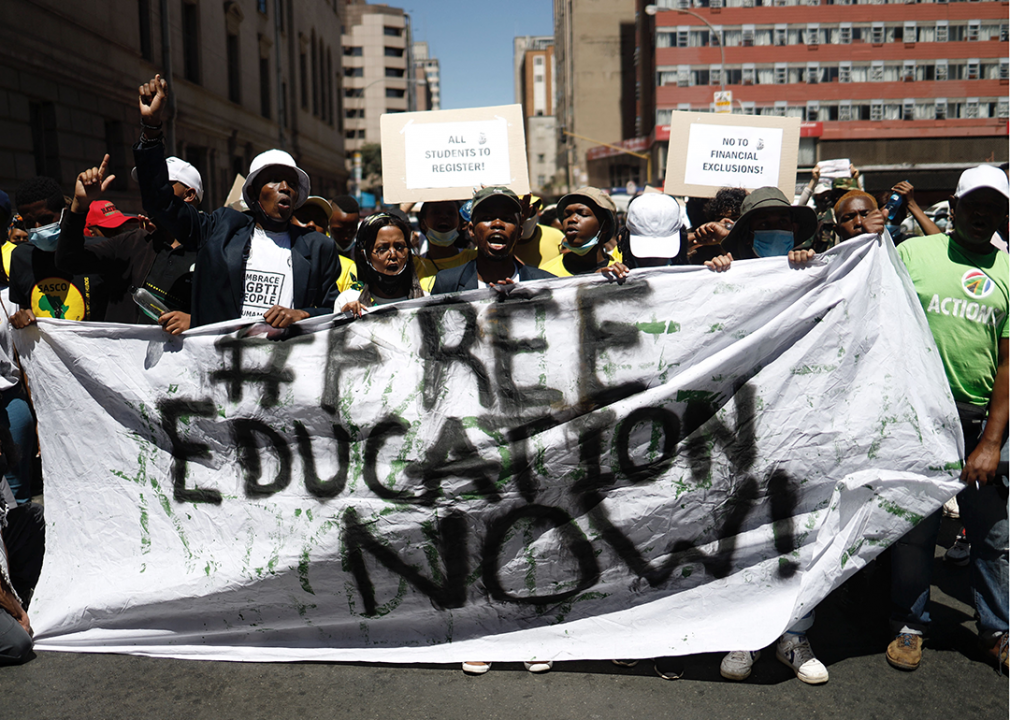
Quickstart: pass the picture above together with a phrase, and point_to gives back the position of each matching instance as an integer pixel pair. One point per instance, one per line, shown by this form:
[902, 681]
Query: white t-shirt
[268, 277]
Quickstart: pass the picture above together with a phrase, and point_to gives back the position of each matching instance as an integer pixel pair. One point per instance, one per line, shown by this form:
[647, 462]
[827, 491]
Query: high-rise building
[242, 78]
[376, 62]
[594, 46]
[885, 84]
[428, 77]
[534, 65]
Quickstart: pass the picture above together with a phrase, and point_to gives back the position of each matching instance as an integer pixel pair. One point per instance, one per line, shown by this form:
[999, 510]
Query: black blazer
[223, 238]
[464, 277]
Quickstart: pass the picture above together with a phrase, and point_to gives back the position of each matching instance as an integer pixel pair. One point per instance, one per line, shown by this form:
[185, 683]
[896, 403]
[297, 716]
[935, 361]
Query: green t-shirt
[964, 295]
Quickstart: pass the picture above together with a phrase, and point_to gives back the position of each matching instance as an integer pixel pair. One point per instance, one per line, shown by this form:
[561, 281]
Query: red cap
[104, 214]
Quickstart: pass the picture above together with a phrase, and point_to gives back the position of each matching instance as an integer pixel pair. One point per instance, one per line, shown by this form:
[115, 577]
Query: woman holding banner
[386, 272]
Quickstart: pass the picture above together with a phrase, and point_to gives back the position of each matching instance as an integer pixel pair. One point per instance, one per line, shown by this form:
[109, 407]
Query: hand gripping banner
[684, 463]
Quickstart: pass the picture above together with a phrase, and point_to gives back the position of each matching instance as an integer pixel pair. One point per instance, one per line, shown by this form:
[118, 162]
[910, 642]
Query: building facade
[376, 70]
[535, 89]
[888, 85]
[428, 77]
[594, 47]
[244, 76]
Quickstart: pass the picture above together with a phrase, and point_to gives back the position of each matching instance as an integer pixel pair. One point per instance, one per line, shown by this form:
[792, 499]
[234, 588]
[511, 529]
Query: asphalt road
[849, 636]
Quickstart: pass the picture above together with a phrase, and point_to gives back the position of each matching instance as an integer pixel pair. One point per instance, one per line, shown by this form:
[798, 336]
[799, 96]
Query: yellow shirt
[539, 254]
[557, 267]
[460, 258]
[5, 251]
[348, 279]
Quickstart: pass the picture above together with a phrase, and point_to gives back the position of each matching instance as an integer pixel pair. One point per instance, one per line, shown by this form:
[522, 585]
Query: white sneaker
[471, 667]
[793, 649]
[737, 664]
[951, 509]
[539, 666]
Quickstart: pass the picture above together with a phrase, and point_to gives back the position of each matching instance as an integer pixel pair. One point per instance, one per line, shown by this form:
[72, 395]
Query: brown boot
[905, 651]
[997, 652]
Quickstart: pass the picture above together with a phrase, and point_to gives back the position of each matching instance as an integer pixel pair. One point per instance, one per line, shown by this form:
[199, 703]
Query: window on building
[748, 108]
[265, 87]
[908, 71]
[395, 93]
[781, 35]
[352, 51]
[392, 31]
[715, 75]
[747, 74]
[845, 34]
[813, 110]
[394, 72]
[354, 72]
[261, 6]
[144, 16]
[813, 73]
[1003, 108]
[845, 110]
[683, 75]
[941, 31]
[191, 41]
[813, 34]
[876, 110]
[941, 109]
[909, 33]
[877, 71]
[941, 70]
[683, 36]
[329, 87]
[971, 108]
[845, 72]
[908, 109]
[972, 69]
[877, 33]
[392, 52]
[1004, 68]
[747, 36]
[780, 73]
[1004, 33]
[315, 74]
[973, 30]
[303, 71]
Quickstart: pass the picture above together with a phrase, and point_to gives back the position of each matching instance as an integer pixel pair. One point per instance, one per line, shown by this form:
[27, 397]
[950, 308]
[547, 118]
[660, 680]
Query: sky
[473, 43]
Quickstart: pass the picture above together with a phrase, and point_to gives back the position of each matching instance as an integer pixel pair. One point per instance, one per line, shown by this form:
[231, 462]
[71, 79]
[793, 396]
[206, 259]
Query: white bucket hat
[654, 222]
[268, 159]
[181, 171]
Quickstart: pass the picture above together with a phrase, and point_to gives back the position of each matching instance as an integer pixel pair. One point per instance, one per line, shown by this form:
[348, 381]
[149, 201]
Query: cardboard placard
[446, 154]
[709, 151]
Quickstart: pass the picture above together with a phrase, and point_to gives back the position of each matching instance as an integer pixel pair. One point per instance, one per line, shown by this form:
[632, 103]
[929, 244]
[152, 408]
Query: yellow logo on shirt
[55, 297]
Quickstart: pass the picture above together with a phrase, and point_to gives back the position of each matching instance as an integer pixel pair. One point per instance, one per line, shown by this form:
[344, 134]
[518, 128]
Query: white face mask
[442, 239]
[529, 227]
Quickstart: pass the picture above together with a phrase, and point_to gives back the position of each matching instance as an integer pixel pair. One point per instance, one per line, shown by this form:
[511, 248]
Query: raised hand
[91, 185]
[153, 98]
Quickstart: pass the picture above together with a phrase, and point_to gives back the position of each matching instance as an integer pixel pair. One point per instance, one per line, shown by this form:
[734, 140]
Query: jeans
[984, 513]
[16, 416]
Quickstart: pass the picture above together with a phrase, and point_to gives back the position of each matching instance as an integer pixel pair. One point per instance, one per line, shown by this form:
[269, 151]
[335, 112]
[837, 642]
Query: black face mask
[266, 222]
[392, 285]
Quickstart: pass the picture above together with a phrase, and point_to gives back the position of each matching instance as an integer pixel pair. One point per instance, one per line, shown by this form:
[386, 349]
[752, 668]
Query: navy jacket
[464, 277]
[223, 238]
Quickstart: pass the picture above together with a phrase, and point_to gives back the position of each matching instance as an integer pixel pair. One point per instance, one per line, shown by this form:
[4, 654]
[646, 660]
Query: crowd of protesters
[285, 255]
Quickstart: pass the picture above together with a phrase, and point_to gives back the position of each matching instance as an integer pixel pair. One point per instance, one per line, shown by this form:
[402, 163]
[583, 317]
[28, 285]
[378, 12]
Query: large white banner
[567, 469]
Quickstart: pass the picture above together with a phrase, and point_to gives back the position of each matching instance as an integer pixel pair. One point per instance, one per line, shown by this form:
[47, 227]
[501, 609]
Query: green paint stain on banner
[658, 328]
[814, 369]
[900, 512]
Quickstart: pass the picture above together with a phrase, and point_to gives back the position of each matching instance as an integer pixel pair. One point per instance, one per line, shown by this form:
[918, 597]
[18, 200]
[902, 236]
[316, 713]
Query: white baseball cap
[181, 171]
[271, 158]
[654, 222]
[982, 176]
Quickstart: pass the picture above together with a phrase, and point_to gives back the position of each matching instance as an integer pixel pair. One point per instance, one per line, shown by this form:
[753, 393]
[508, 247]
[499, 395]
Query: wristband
[150, 127]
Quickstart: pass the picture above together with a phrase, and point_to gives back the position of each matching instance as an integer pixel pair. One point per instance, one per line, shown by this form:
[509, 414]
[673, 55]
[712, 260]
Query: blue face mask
[46, 237]
[772, 243]
[584, 247]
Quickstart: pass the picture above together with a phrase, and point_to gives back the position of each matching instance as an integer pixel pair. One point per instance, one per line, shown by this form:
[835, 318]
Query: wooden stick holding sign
[709, 151]
[445, 154]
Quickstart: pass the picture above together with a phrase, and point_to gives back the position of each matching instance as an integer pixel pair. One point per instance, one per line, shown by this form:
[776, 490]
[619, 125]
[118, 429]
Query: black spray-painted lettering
[184, 450]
